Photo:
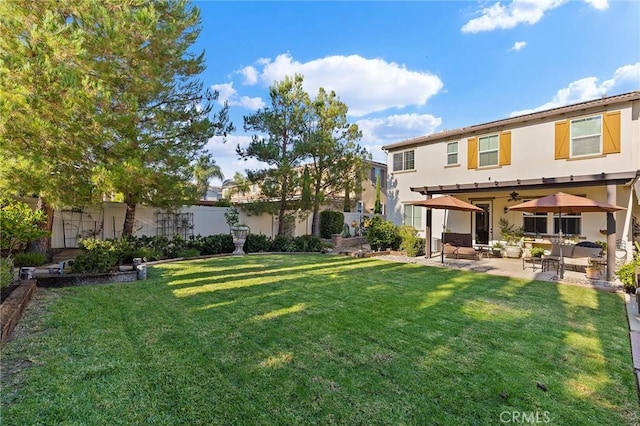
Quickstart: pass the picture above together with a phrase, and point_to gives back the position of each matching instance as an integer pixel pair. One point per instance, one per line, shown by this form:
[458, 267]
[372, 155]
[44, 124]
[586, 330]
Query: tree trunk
[43, 245]
[129, 217]
[281, 216]
[315, 221]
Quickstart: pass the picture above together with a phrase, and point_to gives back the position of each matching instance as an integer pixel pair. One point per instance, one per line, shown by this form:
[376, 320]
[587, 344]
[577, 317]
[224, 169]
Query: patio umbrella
[564, 203]
[446, 202]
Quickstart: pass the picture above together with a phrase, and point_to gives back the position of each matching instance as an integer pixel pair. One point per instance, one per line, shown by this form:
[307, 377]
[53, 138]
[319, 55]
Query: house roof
[521, 119]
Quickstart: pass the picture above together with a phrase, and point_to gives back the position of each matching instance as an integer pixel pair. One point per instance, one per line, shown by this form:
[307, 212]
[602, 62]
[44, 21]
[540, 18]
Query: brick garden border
[13, 307]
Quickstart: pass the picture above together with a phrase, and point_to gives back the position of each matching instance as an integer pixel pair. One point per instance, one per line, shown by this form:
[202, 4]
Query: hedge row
[105, 255]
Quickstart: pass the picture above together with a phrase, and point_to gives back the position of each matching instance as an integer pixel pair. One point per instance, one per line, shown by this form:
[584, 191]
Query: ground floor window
[413, 216]
[571, 224]
[534, 223]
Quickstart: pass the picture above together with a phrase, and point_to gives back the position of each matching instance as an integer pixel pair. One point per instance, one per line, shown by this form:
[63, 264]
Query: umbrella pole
[561, 244]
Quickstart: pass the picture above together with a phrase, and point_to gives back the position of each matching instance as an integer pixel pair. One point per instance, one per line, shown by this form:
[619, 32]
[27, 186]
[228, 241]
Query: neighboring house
[214, 193]
[366, 198]
[590, 149]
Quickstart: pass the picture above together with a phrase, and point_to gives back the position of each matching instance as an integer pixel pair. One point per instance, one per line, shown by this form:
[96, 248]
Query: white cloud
[517, 12]
[225, 91]
[230, 95]
[250, 75]
[598, 4]
[499, 16]
[396, 128]
[365, 85]
[518, 45]
[225, 153]
[588, 88]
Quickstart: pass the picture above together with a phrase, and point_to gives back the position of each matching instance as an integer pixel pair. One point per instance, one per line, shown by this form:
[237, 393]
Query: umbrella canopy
[447, 202]
[564, 203]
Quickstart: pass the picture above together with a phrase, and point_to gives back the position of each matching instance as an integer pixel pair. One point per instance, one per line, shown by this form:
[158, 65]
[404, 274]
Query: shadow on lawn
[512, 344]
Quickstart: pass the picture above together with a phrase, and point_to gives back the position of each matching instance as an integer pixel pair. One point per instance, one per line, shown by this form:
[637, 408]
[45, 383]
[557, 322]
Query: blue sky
[407, 69]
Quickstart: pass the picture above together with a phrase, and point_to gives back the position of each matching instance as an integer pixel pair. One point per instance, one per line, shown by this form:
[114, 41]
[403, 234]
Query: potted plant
[537, 251]
[513, 237]
[498, 248]
[239, 231]
[594, 270]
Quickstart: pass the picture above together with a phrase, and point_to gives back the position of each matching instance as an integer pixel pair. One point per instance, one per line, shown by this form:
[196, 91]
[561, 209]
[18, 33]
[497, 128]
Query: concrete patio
[512, 268]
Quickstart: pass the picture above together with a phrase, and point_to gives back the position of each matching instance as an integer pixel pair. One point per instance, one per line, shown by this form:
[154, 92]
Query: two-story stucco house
[590, 149]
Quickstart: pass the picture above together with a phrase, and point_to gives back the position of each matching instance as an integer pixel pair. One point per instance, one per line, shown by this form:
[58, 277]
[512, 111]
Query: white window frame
[411, 218]
[565, 217]
[405, 160]
[536, 216]
[452, 157]
[573, 138]
[488, 151]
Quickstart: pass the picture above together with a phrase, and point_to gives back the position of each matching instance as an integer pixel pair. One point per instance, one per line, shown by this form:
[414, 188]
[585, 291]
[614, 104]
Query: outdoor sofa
[458, 246]
[575, 255]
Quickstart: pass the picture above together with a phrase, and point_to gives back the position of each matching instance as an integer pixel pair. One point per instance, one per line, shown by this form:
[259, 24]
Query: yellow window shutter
[472, 157]
[611, 133]
[505, 148]
[562, 140]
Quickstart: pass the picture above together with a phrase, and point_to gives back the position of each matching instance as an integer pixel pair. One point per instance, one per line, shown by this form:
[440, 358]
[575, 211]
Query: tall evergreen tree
[52, 102]
[164, 116]
[377, 209]
[102, 96]
[279, 143]
[336, 157]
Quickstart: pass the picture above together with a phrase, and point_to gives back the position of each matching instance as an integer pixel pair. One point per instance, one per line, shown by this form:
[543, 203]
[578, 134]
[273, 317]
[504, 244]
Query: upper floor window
[404, 161]
[378, 172]
[488, 150]
[586, 136]
[452, 153]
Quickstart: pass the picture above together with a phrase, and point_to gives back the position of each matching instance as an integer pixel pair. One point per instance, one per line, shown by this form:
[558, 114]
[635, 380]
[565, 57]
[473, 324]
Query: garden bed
[67, 280]
[13, 306]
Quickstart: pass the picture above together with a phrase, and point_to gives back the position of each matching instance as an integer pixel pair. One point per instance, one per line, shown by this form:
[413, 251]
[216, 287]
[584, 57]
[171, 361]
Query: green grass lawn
[299, 339]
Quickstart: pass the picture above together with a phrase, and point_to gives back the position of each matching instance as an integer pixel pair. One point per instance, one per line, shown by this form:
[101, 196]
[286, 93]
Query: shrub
[307, 243]
[330, 223]
[20, 224]
[382, 234]
[410, 242]
[188, 252]
[97, 257]
[627, 272]
[283, 243]
[257, 243]
[214, 244]
[415, 247]
[31, 258]
[6, 272]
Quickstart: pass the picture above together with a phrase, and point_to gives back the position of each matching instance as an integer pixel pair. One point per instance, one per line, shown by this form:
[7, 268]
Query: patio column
[427, 232]
[611, 233]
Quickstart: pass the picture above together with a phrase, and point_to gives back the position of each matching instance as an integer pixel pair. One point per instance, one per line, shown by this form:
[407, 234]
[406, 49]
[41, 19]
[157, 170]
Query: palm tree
[205, 170]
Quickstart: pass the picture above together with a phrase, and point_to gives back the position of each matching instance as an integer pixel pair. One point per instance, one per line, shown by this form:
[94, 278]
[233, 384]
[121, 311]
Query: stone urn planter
[239, 233]
[513, 251]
